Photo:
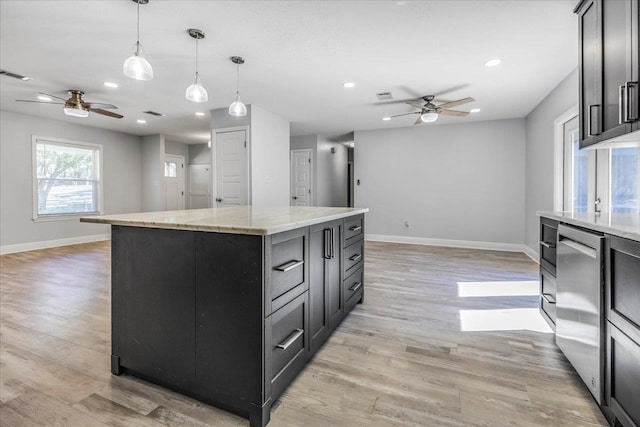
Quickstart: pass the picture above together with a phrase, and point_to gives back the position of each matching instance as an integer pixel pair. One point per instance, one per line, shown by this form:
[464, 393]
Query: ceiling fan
[75, 106]
[429, 112]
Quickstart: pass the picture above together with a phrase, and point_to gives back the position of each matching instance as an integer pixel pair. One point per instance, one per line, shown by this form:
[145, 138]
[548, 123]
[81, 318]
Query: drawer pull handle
[355, 228]
[290, 339]
[289, 265]
[548, 245]
[355, 258]
[355, 286]
[549, 298]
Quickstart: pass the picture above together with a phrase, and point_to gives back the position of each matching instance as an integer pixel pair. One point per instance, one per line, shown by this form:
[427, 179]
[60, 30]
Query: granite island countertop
[230, 219]
[617, 224]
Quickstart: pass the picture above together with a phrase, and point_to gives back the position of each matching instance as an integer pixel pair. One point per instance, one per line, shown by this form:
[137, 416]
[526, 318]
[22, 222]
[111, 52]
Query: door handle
[622, 108]
[630, 109]
[289, 265]
[327, 254]
[218, 199]
[589, 127]
[295, 197]
[331, 249]
[290, 339]
[582, 248]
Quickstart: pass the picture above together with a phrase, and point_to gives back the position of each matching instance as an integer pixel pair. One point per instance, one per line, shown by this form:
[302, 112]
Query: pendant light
[237, 108]
[136, 66]
[196, 92]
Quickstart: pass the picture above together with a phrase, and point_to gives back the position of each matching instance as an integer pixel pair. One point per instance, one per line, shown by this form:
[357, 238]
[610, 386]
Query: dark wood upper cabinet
[608, 69]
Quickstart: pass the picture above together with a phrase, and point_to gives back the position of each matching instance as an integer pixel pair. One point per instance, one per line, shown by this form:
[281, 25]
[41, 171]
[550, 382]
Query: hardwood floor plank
[403, 358]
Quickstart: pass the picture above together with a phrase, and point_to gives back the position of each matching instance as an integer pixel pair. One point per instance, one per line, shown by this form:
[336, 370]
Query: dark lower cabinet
[623, 377]
[325, 299]
[229, 319]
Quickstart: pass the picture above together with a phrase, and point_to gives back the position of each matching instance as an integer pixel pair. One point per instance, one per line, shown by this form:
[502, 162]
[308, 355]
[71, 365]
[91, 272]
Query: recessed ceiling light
[492, 62]
[349, 85]
[111, 84]
[386, 118]
[44, 98]
[200, 113]
[475, 110]
[141, 121]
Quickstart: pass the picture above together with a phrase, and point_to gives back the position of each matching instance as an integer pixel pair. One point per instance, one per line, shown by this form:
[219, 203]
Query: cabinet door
[334, 276]
[618, 87]
[590, 60]
[623, 377]
[318, 315]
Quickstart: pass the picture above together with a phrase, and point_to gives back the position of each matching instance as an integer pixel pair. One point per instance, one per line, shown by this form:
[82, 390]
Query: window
[624, 180]
[170, 169]
[67, 178]
[577, 170]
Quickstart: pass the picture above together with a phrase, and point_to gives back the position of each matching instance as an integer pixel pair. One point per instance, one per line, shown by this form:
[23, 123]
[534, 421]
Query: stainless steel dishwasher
[579, 304]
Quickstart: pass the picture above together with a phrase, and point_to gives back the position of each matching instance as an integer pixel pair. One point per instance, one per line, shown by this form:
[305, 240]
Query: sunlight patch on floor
[499, 289]
[513, 319]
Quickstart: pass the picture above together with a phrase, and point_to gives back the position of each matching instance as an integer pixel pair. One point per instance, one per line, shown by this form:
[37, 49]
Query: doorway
[301, 177]
[232, 176]
[173, 183]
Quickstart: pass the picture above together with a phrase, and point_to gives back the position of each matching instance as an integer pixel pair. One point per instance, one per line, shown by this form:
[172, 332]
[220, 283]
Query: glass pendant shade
[237, 108]
[76, 112]
[429, 117]
[196, 92]
[136, 66]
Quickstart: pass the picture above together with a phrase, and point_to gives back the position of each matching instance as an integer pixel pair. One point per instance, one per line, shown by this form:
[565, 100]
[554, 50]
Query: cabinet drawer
[548, 285]
[623, 377]
[353, 284]
[353, 255]
[353, 229]
[623, 282]
[287, 269]
[549, 308]
[548, 242]
[288, 343]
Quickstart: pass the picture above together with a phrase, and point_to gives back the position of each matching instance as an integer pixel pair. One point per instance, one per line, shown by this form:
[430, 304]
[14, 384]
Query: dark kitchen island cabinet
[220, 304]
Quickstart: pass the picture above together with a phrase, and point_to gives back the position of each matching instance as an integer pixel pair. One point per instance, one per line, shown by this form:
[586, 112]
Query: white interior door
[173, 183]
[199, 186]
[231, 168]
[301, 169]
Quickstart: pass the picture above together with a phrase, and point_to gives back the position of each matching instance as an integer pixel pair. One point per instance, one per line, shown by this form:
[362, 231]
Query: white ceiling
[298, 55]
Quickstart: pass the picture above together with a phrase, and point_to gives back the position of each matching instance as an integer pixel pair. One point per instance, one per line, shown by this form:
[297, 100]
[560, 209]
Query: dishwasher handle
[582, 248]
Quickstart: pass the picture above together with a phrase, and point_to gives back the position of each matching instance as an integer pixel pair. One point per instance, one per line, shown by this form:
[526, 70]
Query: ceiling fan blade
[456, 103]
[106, 113]
[416, 105]
[454, 113]
[419, 121]
[405, 114]
[51, 96]
[99, 106]
[40, 102]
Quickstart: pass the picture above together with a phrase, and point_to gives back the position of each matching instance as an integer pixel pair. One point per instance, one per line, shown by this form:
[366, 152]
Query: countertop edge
[608, 229]
[258, 231]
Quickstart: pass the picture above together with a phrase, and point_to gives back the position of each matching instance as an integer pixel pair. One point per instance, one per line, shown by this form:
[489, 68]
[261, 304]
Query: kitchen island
[228, 304]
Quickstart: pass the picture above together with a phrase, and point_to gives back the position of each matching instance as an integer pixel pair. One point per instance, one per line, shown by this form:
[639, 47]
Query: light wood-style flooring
[399, 359]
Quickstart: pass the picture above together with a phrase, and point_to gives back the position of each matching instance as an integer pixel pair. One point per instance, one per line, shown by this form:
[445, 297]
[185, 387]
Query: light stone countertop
[230, 219]
[621, 225]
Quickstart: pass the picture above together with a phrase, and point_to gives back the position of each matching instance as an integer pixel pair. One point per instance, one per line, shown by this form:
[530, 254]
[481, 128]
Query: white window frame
[35, 139]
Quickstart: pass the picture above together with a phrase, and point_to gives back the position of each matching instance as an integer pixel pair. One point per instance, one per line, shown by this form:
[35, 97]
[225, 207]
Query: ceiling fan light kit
[196, 92]
[136, 66]
[429, 117]
[237, 108]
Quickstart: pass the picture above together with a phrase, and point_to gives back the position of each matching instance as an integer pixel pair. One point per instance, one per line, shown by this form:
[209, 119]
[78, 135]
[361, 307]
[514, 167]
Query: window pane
[63, 162]
[624, 180]
[170, 169]
[66, 196]
[580, 178]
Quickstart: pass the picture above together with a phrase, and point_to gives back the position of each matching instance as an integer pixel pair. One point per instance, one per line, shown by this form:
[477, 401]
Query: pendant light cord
[196, 57]
[138, 28]
[237, 80]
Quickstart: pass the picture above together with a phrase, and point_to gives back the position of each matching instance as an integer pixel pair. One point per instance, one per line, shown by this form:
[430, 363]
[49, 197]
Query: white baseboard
[469, 244]
[531, 254]
[32, 246]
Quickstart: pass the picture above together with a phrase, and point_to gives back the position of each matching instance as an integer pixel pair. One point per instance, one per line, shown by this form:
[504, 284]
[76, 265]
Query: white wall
[199, 154]
[539, 153]
[331, 187]
[152, 164]
[122, 179]
[269, 159]
[451, 182]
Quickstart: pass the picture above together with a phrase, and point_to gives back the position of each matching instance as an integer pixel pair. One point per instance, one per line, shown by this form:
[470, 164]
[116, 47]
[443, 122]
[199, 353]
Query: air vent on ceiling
[154, 113]
[14, 75]
[384, 96]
